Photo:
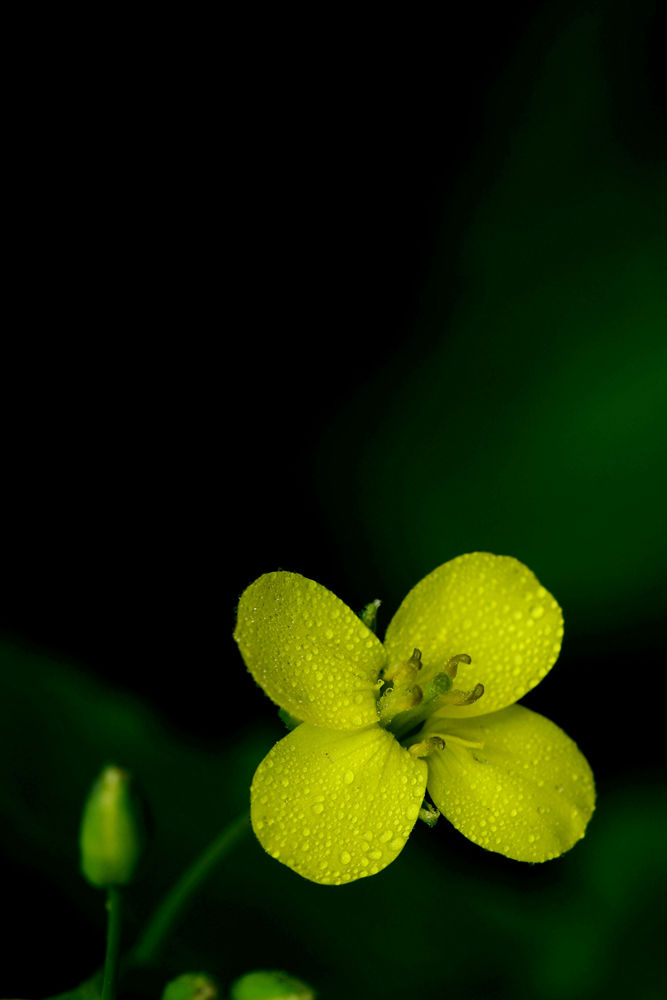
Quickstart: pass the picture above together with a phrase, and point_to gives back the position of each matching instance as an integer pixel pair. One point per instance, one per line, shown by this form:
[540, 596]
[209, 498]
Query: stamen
[452, 664]
[404, 670]
[463, 697]
[427, 746]
[396, 700]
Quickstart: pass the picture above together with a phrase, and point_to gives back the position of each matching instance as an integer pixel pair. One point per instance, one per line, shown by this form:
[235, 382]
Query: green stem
[168, 911]
[113, 943]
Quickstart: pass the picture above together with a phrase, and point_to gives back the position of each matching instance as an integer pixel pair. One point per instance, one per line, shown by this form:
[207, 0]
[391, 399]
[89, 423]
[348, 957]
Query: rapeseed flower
[377, 724]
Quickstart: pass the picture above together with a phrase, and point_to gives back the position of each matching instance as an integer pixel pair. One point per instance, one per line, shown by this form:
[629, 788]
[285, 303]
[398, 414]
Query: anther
[427, 746]
[463, 697]
[452, 664]
[404, 670]
[396, 700]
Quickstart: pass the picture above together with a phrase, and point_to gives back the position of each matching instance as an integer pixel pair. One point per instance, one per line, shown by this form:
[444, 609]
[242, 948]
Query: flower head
[431, 708]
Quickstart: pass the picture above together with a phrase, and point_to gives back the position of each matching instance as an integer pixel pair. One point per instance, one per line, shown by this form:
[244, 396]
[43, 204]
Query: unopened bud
[191, 986]
[369, 614]
[111, 832]
[270, 986]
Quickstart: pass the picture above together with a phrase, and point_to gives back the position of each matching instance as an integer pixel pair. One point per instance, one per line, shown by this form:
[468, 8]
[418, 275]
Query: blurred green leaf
[528, 415]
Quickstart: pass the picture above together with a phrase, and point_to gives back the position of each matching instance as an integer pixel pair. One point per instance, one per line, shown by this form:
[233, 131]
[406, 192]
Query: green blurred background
[403, 297]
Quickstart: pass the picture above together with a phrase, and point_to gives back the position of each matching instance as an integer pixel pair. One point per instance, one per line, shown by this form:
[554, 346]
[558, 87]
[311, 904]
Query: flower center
[404, 704]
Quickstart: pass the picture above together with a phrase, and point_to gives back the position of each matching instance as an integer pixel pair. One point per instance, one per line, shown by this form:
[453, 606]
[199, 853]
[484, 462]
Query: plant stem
[113, 943]
[168, 911]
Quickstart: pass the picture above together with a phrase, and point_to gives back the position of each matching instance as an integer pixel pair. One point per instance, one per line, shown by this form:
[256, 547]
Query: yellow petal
[526, 792]
[336, 806]
[490, 607]
[312, 655]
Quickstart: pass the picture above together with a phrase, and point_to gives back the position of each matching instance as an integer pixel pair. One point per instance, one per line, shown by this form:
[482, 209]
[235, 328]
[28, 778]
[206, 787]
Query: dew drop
[537, 611]
[348, 777]
[345, 858]
[318, 807]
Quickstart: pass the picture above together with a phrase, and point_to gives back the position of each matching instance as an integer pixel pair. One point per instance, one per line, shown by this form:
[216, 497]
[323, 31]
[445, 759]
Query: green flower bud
[191, 986]
[270, 986]
[111, 832]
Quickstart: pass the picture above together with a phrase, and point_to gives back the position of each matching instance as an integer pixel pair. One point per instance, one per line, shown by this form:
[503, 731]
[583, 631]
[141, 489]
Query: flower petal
[526, 792]
[312, 655]
[490, 607]
[336, 806]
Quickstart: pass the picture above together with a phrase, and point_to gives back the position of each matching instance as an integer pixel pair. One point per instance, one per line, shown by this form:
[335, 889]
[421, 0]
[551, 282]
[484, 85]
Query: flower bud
[270, 986]
[191, 986]
[111, 832]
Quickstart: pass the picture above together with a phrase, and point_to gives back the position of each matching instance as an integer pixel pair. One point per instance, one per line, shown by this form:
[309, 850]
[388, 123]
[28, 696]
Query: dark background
[348, 306]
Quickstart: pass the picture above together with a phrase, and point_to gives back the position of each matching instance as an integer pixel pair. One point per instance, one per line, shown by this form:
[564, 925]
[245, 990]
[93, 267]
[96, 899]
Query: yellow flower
[337, 798]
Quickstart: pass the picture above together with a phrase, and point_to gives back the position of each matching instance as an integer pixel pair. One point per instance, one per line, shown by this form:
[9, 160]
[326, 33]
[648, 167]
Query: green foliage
[530, 408]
